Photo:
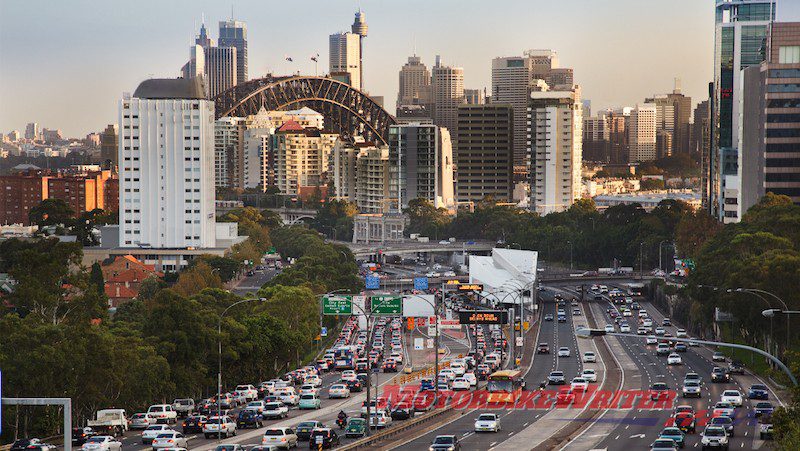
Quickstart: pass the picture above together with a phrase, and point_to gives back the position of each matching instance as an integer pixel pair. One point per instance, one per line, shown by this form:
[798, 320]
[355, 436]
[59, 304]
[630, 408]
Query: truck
[109, 422]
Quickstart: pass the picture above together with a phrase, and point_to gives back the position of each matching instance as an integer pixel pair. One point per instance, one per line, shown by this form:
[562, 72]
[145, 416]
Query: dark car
[543, 348]
[725, 422]
[80, 435]
[736, 368]
[249, 418]
[720, 375]
[426, 385]
[354, 385]
[680, 347]
[389, 366]
[445, 442]
[764, 408]
[548, 317]
[23, 444]
[323, 437]
[303, 430]
[758, 391]
[686, 422]
[402, 411]
[659, 391]
[194, 423]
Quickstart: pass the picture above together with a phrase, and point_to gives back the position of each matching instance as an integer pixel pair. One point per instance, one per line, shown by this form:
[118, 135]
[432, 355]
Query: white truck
[109, 422]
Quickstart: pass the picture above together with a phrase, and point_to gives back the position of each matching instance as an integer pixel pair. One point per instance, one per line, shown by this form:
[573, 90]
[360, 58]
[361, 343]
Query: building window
[789, 54]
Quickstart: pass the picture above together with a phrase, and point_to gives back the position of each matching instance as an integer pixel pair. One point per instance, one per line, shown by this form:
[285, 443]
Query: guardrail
[393, 431]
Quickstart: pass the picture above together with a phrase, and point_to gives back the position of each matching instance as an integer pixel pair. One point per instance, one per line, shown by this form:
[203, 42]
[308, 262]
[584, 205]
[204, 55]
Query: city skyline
[130, 45]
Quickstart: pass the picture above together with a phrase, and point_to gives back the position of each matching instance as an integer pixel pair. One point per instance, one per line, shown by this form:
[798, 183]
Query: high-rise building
[641, 128]
[242, 151]
[32, 131]
[109, 144]
[166, 155]
[301, 157]
[555, 146]
[474, 97]
[196, 66]
[701, 129]
[203, 39]
[13, 136]
[740, 34]
[372, 178]
[447, 90]
[233, 33]
[618, 134]
[413, 76]
[596, 139]
[220, 66]
[360, 28]
[665, 124]
[420, 165]
[511, 84]
[345, 57]
[673, 117]
[485, 153]
[228, 143]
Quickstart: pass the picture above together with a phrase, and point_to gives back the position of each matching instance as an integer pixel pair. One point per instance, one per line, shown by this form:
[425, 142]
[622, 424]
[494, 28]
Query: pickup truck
[184, 407]
[109, 421]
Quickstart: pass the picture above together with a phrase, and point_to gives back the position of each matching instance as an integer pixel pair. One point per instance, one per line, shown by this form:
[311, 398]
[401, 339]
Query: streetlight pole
[219, 361]
[785, 307]
[641, 261]
[771, 335]
[570, 254]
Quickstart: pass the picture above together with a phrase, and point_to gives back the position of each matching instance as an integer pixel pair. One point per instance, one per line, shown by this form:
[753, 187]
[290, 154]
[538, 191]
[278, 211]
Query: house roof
[290, 126]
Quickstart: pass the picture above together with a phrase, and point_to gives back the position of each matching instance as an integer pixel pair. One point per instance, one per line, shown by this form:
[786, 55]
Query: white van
[163, 413]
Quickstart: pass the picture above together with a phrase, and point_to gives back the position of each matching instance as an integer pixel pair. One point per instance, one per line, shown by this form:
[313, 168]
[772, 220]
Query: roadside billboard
[418, 305]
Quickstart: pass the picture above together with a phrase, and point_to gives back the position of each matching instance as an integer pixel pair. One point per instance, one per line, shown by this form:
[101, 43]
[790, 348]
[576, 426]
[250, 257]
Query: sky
[66, 63]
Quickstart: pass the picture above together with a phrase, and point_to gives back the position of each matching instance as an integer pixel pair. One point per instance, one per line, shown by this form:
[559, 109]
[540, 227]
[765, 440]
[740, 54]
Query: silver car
[171, 439]
[102, 443]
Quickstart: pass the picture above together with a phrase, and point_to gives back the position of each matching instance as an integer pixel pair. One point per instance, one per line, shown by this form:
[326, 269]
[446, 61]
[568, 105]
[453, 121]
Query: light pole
[570, 254]
[585, 332]
[771, 335]
[785, 307]
[219, 361]
[641, 261]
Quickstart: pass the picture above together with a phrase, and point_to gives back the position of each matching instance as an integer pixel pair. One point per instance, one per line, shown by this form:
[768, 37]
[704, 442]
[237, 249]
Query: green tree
[195, 279]
[425, 219]
[97, 280]
[51, 212]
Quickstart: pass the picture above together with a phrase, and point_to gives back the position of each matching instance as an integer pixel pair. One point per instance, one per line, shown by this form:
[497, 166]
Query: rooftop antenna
[231, 10]
[414, 44]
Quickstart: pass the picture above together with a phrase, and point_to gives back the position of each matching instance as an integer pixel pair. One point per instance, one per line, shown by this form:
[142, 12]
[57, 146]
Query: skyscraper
[511, 83]
[345, 57]
[555, 146]
[447, 88]
[673, 113]
[420, 165]
[740, 33]
[220, 65]
[32, 131]
[413, 76]
[485, 153]
[474, 97]
[596, 139]
[233, 33]
[360, 28]
[641, 127]
[302, 156]
[109, 144]
[166, 146]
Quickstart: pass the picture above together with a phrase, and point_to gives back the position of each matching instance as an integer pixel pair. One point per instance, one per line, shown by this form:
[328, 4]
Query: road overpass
[415, 247]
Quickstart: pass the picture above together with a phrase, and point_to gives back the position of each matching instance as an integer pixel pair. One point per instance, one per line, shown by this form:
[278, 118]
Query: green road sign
[337, 305]
[387, 305]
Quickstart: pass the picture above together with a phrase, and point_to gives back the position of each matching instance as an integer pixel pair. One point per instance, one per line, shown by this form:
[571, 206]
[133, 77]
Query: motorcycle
[341, 422]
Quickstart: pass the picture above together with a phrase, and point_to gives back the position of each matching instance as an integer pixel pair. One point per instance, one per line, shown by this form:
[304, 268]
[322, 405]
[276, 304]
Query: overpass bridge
[293, 216]
[415, 247]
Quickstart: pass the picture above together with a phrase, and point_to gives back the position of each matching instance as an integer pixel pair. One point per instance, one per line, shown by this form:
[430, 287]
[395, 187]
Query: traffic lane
[253, 283]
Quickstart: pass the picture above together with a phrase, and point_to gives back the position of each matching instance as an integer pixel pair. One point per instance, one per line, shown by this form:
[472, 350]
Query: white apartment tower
[555, 121]
[345, 56]
[166, 170]
[642, 127]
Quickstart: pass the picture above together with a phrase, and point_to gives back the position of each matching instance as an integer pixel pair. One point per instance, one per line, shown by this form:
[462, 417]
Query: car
[724, 422]
[659, 391]
[23, 444]
[732, 396]
[714, 437]
[625, 328]
[194, 423]
[563, 352]
[249, 418]
[445, 443]
[108, 443]
[248, 391]
[379, 419]
[183, 406]
[723, 409]
[308, 389]
[142, 421]
[279, 438]
[461, 383]
[556, 378]
[674, 434]
[680, 347]
[338, 391]
[680, 333]
[171, 439]
[548, 317]
[590, 375]
[562, 318]
[565, 397]
[663, 444]
[471, 378]
[718, 357]
[685, 421]
[234, 447]
[576, 312]
[543, 348]
[651, 340]
[258, 406]
[691, 388]
[736, 368]
[579, 384]
[349, 375]
[288, 396]
[149, 434]
[487, 422]
[692, 376]
[758, 391]
[719, 374]
[662, 349]
[274, 410]
[660, 331]
[219, 427]
[609, 328]
[389, 366]
[323, 438]
[303, 430]
[354, 386]
[589, 357]
[674, 359]
[666, 322]
[81, 435]
[693, 342]
[765, 432]
[163, 413]
[450, 374]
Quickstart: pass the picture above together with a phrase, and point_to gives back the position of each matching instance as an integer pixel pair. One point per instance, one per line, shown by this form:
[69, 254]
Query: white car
[610, 328]
[627, 313]
[714, 436]
[149, 434]
[258, 406]
[314, 381]
[470, 377]
[288, 396]
[379, 419]
[589, 357]
[275, 410]
[397, 356]
[642, 313]
[142, 420]
[450, 374]
[563, 352]
[625, 329]
[651, 340]
[449, 274]
[223, 426]
[487, 422]
[338, 391]
[680, 333]
[250, 393]
[349, 375]
[163, 413]
[579, 384]
[674, 359]
[461, 383]
[458, 368]
[641, 331]
[280, 438]
[432, 274]
[103, 443]
[692, 342]
[660, 331]
[171, 439]
[308, 389]
[590, 375]
[732, 396]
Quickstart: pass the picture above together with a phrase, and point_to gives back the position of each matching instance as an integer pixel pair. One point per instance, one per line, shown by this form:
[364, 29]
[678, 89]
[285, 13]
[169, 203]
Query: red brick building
[123, 278]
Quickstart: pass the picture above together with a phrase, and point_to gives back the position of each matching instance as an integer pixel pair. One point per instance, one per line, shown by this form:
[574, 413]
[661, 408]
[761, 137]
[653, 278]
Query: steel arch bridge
[347, 111]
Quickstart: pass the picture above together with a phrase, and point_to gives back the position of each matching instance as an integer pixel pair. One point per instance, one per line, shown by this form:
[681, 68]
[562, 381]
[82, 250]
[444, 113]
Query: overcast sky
[66, 63]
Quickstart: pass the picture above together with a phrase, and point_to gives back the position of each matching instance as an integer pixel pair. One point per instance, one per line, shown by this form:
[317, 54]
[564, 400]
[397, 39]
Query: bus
[504, 386]
[344, 358]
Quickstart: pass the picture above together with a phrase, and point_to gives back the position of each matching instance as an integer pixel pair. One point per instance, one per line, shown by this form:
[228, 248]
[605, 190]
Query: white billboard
[418, 305]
